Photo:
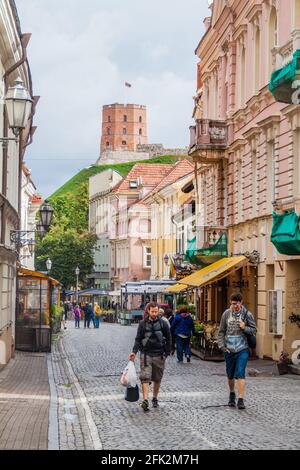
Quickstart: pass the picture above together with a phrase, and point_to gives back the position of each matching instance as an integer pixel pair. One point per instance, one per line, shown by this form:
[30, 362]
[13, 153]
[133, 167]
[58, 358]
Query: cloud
[81, 53]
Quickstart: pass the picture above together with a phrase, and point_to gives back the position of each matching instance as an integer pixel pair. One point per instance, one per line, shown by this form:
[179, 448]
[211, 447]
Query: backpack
[251, 339]
[158, 329]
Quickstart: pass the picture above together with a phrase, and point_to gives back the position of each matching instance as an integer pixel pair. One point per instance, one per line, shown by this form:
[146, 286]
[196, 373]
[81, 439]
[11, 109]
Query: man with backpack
[236, 324]
[153, 339]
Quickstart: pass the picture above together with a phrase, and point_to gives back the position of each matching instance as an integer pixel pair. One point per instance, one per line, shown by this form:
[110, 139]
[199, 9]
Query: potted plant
[283, 363]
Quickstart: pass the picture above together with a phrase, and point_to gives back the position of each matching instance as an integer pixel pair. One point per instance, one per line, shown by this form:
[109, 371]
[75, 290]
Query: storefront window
[33, 303]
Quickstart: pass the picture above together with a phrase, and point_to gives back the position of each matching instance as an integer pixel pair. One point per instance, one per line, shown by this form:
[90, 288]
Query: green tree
[67, 249]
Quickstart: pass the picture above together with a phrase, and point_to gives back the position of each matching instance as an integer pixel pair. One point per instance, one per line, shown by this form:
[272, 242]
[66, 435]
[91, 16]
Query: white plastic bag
[129, 376]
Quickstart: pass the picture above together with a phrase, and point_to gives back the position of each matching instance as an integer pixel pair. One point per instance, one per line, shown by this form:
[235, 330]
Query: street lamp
[23, 238]
[49, 265]
[46, 214]
[77, 272]
[18, 103]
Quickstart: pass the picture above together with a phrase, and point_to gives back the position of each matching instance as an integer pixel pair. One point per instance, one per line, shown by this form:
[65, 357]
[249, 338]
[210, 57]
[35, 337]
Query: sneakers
[232, 400]
[188, 359]
[155, 403]
[241, 404]
[145, 405]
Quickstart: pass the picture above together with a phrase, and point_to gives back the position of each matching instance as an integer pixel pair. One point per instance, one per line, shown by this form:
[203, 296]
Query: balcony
[208, 140]
[284, 81]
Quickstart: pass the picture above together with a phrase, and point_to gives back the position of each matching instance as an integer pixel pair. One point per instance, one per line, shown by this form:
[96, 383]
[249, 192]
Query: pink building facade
[246, 147]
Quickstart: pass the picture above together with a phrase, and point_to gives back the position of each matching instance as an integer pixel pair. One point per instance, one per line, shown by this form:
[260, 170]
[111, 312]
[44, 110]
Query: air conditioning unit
[275, 302]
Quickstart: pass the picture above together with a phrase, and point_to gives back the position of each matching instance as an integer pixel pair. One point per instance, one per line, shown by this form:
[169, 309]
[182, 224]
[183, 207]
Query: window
[257, 62]
[109, 119]
[147, 257]
[124, 131]
[124, 142]
[243, 76]
[271, 175]
[133, 184]
[141, 132]
[273, 36]
[140, 119]
[254, 183]
[108, 131]
[125, 118]
[107, 144]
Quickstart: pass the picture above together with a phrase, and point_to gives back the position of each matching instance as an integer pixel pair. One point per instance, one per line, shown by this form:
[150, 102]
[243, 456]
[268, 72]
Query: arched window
[243, 76]
[109, 119]
[124, 131]
[107, 144]
[141, 132]
[125, 118]
[140, 119]
[257, 61]
[273, 36]
[108, 131]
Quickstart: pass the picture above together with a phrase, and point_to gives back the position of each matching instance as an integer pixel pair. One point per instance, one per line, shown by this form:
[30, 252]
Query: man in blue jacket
[183, 328]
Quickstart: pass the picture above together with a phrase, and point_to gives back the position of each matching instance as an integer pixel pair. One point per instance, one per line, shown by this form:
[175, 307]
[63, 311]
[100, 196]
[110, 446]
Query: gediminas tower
[124, 126]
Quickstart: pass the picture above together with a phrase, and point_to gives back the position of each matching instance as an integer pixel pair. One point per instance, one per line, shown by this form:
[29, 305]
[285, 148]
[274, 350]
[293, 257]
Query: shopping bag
[132, 393]
[129, 376]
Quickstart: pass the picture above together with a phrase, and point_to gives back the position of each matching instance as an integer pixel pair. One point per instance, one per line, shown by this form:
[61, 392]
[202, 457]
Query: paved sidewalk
[24, 403]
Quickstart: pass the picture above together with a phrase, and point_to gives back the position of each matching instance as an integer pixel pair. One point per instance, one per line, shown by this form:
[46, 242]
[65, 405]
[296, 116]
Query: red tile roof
[151, 175]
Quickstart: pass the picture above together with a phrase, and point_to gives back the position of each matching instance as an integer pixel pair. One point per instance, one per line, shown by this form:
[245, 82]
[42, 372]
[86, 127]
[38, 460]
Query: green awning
[205, 256]
[281, 80]
[286, 233]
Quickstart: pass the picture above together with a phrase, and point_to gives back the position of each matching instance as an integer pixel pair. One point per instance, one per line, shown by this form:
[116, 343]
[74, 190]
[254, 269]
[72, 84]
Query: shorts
[236, 364]
[153, 371]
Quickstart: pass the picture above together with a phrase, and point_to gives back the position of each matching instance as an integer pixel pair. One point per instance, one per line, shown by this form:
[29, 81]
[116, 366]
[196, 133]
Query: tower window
[124, 131]
[125, 118]
[107, 144]
[108, 131]
[141, 132]
[109, 120]
[124, 142]
[140, 119]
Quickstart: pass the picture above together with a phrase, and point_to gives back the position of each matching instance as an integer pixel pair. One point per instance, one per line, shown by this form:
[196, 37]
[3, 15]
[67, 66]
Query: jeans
[87, 321]
[183, 347]
[77, 322]
[96, 322]
[236, 364]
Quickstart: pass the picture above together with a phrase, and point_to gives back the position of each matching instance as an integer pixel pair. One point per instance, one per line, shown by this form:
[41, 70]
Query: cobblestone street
[92, 412]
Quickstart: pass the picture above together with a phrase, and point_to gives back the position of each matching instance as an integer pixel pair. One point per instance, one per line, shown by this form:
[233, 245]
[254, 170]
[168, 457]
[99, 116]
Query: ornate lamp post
[27, 237]
[49, 265]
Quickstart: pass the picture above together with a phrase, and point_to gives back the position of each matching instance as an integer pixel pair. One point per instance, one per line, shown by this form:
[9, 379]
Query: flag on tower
[128, 84]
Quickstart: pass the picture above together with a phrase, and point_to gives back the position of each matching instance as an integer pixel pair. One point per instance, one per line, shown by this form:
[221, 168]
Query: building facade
[100, 188]
[13, 64]
[31, 203]
[246, 149]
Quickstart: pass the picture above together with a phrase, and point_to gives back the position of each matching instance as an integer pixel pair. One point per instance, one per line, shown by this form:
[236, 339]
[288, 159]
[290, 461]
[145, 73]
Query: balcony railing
[209, 236]
[208, 134]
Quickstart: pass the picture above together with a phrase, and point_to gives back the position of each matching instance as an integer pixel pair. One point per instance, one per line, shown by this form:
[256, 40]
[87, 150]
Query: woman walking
[77, 315]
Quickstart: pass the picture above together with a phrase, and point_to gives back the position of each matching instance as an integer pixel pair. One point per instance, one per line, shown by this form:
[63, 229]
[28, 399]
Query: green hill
[73, 185]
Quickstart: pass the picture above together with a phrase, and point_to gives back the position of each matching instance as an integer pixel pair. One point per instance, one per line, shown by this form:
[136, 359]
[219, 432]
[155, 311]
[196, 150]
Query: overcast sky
[81, 53]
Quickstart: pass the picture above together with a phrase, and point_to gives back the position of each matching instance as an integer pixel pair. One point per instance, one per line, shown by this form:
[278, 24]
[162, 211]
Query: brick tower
[124, 126]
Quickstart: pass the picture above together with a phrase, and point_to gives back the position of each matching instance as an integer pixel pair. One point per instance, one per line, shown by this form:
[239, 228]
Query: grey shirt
[231, 336]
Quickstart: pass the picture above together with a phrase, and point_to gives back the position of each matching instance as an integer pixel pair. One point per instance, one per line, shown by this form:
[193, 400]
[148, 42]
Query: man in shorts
[236, 322]
[153, 339]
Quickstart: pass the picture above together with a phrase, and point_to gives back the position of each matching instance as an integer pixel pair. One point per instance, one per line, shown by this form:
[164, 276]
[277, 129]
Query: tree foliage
[68, 244]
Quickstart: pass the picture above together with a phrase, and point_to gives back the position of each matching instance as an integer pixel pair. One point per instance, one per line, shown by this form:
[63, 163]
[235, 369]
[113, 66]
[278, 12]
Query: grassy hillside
[73, 185]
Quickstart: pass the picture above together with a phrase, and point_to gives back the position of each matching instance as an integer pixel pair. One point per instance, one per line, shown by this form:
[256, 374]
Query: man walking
[153, 339]
[236, 322]
[87, 315]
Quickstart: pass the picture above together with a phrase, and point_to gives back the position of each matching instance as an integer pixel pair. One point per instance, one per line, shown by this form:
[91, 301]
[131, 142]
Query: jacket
[183, 324]
[231, 336]
[153, 338]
